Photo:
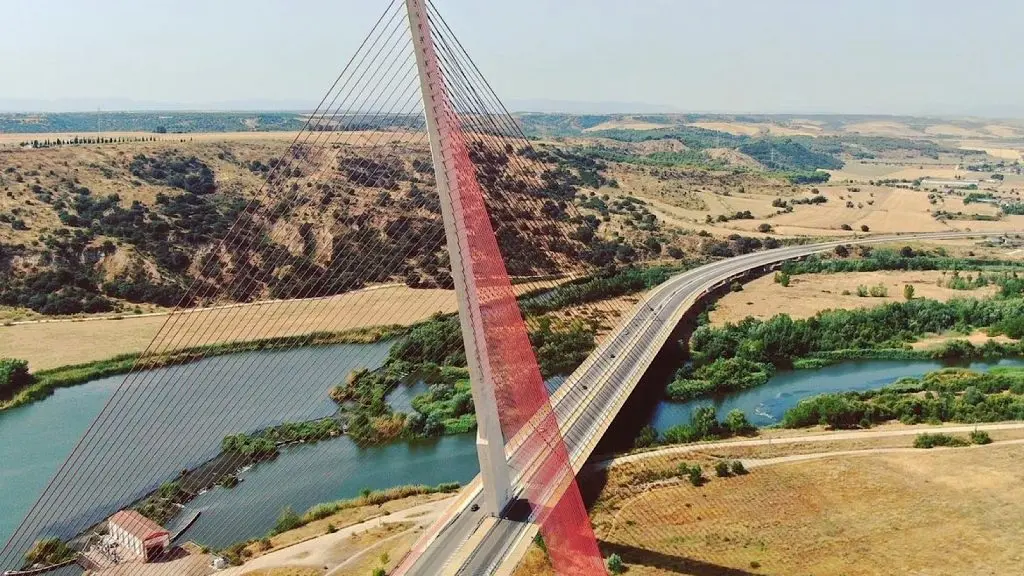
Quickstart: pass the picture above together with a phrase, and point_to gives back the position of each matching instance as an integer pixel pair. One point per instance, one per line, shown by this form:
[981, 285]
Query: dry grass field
[748, 129]
[809, 294]
[684, 200]
[343, 519]
[52, 343]
[287, 571]
[936, 512]
[626, 124]
[49, 344]
[393, 549]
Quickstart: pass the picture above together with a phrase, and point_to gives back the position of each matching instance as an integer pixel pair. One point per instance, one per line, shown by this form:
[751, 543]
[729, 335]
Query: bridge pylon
[445, 147]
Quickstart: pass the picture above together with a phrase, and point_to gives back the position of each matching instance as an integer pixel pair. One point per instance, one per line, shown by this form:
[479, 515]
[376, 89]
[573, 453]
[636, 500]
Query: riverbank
[341, 540]
[46, 381]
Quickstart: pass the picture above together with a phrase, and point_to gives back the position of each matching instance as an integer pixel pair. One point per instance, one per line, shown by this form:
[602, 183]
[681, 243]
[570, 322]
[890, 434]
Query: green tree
[704, 421]
[615, 564]
[908, 291]
[647, 437]
[13, 376]
[736, 422]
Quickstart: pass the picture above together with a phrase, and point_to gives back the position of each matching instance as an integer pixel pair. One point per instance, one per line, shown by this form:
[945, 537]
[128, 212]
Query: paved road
[592, 396]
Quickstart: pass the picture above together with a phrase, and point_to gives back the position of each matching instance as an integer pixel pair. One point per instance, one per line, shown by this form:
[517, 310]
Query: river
[765, 405]
[38, 437]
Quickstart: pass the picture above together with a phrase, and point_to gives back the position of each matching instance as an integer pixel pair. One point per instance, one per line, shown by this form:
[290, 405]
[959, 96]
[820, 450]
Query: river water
[765, 405]
[37, 438]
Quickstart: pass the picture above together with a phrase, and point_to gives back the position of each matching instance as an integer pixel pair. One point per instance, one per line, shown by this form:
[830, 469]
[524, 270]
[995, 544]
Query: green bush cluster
[780, 340]
[704, 425]
[722, 375]
[926, 440]
[48, 552]
[14, 376]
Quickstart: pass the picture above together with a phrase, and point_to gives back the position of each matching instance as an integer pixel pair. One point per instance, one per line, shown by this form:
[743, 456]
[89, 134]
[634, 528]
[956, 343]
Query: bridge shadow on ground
[634, 556]
[635, 414]
[639, 408]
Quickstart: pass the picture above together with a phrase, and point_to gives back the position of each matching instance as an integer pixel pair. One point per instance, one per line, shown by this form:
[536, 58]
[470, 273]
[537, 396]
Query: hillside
[130, 221]
[93, 227]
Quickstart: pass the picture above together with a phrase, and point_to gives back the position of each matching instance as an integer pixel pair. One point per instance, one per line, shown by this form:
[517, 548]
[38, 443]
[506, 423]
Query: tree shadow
[632, 555]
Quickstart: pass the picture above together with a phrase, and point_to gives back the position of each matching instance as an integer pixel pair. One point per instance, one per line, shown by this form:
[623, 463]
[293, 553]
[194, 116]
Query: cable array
[363, 137]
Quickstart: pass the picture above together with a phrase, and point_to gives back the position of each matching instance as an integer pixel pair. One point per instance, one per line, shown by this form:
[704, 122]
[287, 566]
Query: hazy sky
[845, 56]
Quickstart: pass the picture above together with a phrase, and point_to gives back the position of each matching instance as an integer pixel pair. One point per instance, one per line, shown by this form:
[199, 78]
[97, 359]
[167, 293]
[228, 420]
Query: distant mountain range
[549, 106]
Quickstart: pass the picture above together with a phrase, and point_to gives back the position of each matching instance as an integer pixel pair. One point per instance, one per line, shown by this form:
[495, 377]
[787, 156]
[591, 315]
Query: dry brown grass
[287, 571]
[362, 565]
[192, 564]
[58, 343]
[809, 294]
[883, 128]
[938, 512]
[879, 514]
[977, 338]
[626, 124]
[749, 129]
[53, 343]
[337, 553]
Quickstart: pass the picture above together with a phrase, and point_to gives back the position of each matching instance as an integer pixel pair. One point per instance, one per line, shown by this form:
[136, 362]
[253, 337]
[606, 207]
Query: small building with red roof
[138, 534]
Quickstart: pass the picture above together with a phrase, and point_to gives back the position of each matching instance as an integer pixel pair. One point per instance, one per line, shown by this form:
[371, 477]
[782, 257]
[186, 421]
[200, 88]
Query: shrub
[908, 291]
[980, 437]
[737, 468]
[49, 551]
[288, 520]
[846, 227]
[647, 437]
[696, 475]
[331, 528]
[926, 440]
[722, 469]
[615, 564]
[735, 287]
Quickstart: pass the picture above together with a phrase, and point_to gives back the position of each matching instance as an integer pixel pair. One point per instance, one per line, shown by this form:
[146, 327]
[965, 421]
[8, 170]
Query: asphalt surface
[590, 398]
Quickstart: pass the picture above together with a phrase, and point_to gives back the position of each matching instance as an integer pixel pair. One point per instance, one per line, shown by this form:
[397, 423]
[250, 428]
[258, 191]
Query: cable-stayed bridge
[479, 211]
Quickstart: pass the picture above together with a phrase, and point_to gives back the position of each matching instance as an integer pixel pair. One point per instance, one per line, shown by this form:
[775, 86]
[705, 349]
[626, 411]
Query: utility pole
[490, 442]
